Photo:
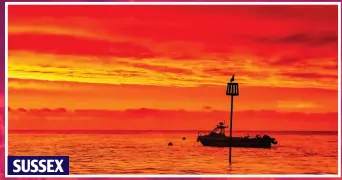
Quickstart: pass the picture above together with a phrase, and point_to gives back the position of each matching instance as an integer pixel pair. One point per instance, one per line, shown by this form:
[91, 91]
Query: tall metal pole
[231, 129]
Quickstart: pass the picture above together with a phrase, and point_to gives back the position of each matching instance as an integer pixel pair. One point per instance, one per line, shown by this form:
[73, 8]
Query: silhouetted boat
[217, 138]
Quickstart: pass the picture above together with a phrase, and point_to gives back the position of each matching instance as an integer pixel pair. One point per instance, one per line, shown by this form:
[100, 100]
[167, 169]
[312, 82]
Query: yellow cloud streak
[26, 65]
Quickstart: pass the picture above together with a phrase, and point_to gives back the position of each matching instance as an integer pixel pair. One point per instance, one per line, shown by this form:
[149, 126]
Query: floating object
[184, 138]
[170, 144]
[217, 138]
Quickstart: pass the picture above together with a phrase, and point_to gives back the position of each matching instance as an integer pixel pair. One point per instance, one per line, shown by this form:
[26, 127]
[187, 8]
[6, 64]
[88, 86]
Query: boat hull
[236, 142]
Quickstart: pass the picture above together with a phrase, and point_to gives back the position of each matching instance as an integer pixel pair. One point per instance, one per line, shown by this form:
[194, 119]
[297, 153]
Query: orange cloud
[155, 119]
[54, 94]
[174, 57]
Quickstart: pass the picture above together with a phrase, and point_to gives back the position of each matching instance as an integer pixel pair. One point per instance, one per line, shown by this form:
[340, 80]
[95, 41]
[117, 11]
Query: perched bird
[232, 79]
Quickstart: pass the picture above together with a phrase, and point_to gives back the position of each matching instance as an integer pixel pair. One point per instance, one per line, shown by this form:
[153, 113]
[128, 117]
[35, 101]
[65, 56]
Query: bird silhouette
[232, 79]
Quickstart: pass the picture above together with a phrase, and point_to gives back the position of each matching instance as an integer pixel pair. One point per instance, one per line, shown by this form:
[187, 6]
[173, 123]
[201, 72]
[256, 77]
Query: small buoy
[170, 144]
[184, 138]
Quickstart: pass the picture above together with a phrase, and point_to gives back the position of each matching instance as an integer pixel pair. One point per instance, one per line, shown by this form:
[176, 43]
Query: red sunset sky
[166, 67]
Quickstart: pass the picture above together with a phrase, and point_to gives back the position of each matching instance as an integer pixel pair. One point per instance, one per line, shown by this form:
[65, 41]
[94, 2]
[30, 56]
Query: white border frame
[172, 175]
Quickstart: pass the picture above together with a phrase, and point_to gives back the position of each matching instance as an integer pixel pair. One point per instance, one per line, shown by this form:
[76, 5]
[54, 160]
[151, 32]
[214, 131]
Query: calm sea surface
[136, 152]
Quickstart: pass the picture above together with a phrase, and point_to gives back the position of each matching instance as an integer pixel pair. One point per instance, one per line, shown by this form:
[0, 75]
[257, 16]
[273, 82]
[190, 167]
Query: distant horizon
[207, 109]
[160, 130]
[166, 119]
